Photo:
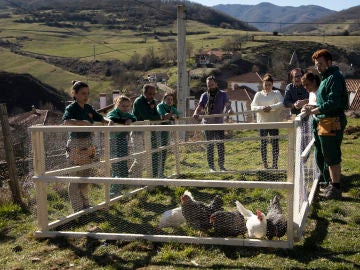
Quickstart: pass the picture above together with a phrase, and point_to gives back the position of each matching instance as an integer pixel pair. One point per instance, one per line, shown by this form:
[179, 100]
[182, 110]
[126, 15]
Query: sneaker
[332, 193]
[323, 185]
[222, 169]
[212, 170]
[325, 188]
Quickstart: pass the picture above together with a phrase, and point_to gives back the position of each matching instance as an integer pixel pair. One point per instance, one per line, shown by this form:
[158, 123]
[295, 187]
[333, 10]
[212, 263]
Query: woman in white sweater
[268, 104]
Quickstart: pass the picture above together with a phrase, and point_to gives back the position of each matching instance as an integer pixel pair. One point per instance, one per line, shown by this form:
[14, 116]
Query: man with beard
[213, 101]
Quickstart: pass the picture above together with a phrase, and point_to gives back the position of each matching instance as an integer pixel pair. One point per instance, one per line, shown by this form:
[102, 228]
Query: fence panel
[140, 172]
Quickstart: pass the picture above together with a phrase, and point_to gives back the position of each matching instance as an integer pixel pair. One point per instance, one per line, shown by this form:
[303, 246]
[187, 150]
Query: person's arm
[197, 111]
[200, 108]
[175, 111]
[255, 103]
[97, 117]
[334, 86]
[288, 101]
[301, 103]
[75, 122]
[138, 111]
[279, 101]
[69, 118]
[162, 112]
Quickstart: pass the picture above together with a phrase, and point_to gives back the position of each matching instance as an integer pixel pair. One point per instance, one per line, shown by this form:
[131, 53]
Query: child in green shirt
[167, 111]
[119, 140]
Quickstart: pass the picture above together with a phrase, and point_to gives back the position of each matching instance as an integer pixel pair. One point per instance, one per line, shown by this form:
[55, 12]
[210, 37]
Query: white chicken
[171, 218]
[256, 224]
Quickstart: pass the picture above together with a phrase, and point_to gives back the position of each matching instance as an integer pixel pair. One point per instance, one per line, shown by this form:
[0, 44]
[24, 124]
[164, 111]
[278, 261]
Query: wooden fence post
[9, 155]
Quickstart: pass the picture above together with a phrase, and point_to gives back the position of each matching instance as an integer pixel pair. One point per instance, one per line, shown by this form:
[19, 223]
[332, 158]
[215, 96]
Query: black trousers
[215, 135]
[264, 143]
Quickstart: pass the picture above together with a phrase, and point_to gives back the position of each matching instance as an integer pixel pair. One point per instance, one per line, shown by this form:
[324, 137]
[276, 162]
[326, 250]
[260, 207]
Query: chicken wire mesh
[117, 158]
[164, 210]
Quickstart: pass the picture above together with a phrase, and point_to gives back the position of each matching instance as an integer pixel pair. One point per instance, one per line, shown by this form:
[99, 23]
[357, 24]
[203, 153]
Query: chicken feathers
[276, 221]
[228, 224]
[196, 213]
[171, 218]
[256, 224]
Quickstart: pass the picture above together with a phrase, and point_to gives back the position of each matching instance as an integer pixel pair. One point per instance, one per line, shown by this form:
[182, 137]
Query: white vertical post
[297, 171]
[107, 162]
[176, 151]
[182, 83]
[290, 178]
[39, 169]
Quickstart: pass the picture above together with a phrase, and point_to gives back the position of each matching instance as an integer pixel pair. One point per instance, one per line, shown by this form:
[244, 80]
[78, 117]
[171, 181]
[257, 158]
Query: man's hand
[300, 103]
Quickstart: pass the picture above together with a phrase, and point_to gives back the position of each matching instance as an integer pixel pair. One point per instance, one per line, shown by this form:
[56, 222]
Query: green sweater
[74, 111]
[163, 109]
[120, 117]
[332, 97]
[145, 110]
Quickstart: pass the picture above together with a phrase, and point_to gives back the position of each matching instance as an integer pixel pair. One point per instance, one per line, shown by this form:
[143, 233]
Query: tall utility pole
[182, 83]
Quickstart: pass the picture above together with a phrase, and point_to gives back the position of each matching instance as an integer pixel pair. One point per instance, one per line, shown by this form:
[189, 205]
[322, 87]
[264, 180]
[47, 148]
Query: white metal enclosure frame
[297, 206]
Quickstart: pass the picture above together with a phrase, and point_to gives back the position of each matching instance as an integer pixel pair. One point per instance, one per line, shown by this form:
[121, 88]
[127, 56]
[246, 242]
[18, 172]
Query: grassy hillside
[137, 15]
[339, 23]
[49, 74]
[31, 45]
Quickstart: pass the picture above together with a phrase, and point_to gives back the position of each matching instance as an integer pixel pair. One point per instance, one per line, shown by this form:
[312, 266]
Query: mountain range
[269, 17]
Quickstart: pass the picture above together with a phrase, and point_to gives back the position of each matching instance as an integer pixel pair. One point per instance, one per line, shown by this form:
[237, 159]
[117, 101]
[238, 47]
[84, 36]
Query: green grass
[330, 239]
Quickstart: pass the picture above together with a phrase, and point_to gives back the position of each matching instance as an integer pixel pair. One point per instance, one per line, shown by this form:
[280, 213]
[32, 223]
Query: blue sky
[329, 4]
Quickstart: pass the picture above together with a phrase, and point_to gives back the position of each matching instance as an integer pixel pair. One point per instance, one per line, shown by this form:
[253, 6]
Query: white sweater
[274, 99]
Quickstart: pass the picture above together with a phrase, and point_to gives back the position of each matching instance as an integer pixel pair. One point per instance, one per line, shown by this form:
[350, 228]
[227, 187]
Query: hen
[276, 221]
[228, 224]
[171, 218]
[196, 213]
[255, 224]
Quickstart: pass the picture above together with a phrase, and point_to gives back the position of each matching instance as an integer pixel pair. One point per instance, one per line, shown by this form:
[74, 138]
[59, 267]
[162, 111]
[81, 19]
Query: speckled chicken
[196, 213]
[276, 221]
[228, 224]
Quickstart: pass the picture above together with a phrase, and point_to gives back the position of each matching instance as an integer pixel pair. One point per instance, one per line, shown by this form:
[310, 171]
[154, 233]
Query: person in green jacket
[167, 111]
[144, 108]
[80, 149]
[119, 140]
[329, 122]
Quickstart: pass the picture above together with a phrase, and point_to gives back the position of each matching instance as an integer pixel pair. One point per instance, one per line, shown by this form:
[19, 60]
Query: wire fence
[173, 181]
